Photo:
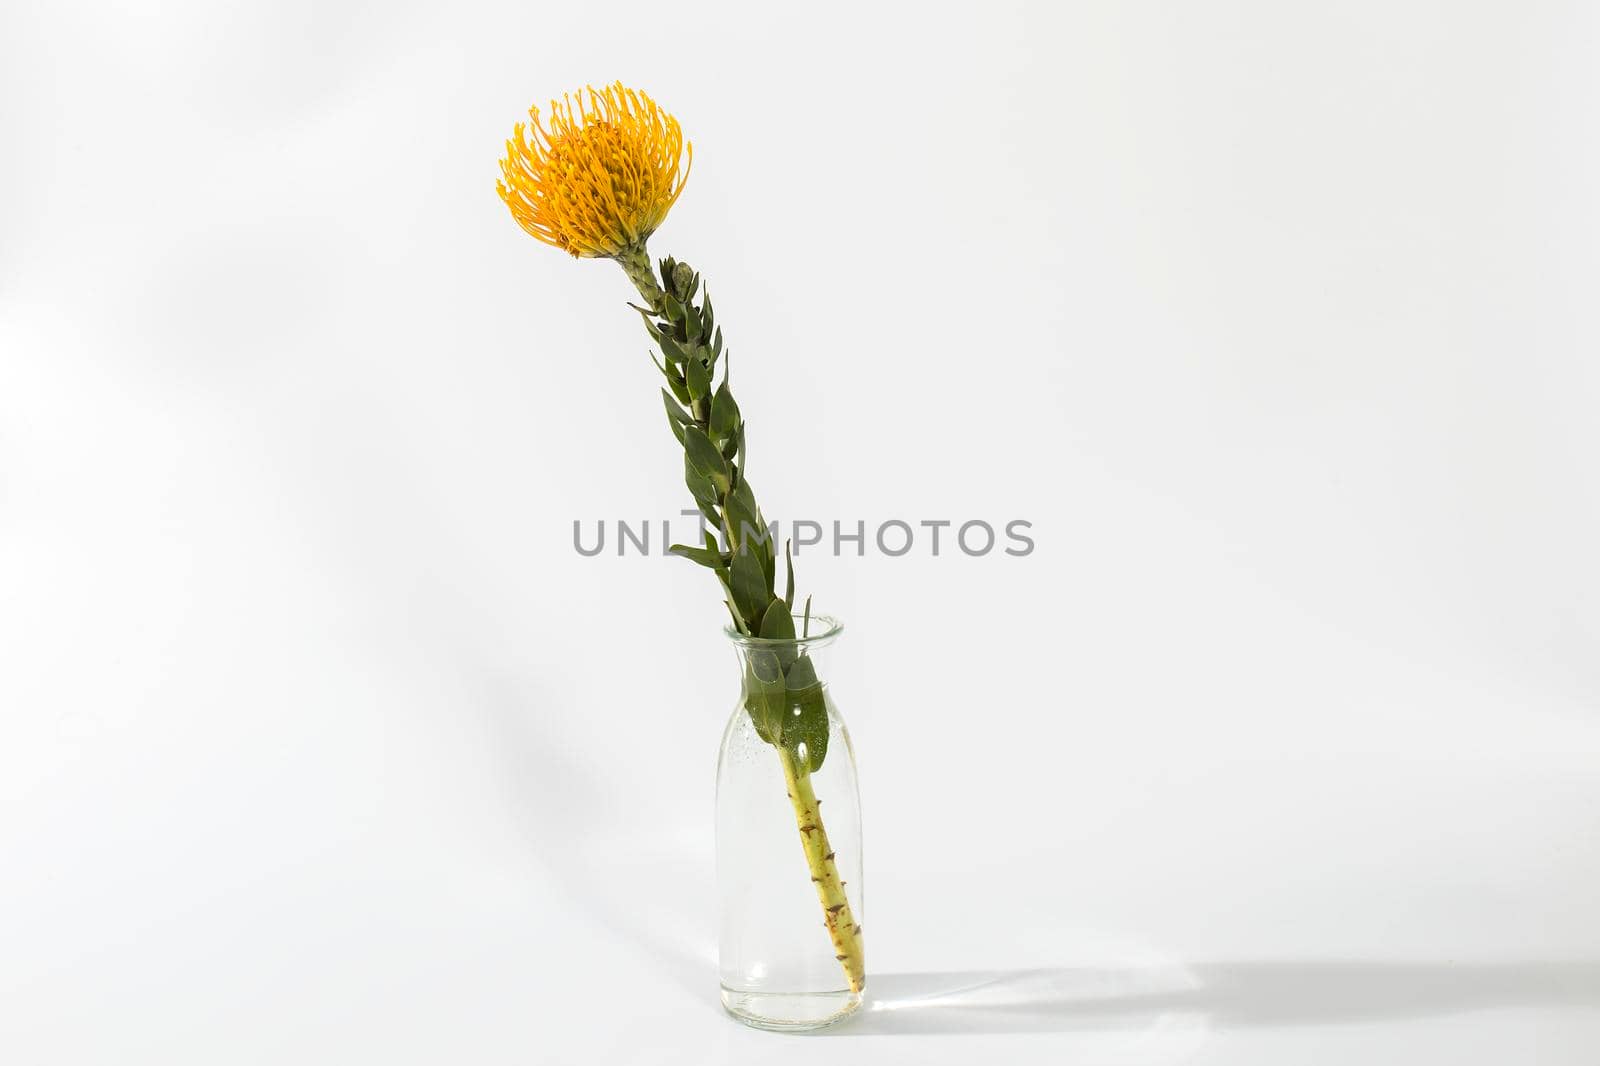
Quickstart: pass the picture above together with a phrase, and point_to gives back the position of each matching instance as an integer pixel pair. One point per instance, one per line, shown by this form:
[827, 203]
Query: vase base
[790, 1012]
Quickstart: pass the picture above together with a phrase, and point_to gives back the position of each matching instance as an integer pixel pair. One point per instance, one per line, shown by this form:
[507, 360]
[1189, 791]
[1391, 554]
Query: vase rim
[824, 627]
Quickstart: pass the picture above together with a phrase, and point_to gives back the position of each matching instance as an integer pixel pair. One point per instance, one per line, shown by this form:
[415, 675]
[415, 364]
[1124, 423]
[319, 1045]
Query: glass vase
[789, 839]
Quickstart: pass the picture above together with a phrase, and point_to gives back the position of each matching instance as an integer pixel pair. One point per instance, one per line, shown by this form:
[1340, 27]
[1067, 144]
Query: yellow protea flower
[601, 177]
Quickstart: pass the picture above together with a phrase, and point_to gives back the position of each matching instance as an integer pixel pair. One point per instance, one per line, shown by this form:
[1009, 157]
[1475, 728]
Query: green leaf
[712, 560]
[734, 521]
[802, 674]
[698, 376]
[741, 512]
[788, 565]
[769, 553]
[700, 487]
[724, 414]
[677, 417]
[749, 585]
[693, 326]
[649, 317]
[777, 623]
[704, 457]
[674, 412]
[805, 719]
[713, 548]
[670, 349]
[673, 381]
[674, 308]
[765, 694]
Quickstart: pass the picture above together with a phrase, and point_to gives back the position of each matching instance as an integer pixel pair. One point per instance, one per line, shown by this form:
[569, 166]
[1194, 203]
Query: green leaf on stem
[677, 417]
[716, 549]
[712, 560]
[777, 623]
[743, 525]
[670, 349]
[749, 585]
[724, 413]
[804, 729]
[700, 487]
[765, 694]
[704, 457]
[698, 377]
[805, 719]
[769, 555]
[674, 382]
[649, 321]
[674, 412]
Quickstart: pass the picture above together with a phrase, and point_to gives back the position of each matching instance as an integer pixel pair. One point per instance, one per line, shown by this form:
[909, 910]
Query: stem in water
[842, 927]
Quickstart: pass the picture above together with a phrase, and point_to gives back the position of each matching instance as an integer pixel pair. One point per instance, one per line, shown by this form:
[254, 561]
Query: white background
[321, 744]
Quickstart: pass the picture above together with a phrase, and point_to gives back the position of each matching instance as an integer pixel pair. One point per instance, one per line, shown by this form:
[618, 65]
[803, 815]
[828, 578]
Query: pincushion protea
[596, 183]
[601, 177]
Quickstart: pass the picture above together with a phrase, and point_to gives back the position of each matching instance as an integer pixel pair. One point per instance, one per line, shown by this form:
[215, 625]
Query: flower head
[601, 177]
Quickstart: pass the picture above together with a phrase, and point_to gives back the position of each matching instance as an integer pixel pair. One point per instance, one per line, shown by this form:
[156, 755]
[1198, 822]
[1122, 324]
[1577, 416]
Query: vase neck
[814, 635]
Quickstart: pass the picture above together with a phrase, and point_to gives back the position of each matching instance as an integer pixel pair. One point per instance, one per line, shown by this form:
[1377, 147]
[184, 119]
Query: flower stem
[842, 927]
[635, 263]
[691, 345]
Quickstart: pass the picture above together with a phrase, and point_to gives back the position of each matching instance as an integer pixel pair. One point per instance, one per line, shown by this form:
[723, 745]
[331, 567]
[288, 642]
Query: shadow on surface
[1219, 995]
[553, 801]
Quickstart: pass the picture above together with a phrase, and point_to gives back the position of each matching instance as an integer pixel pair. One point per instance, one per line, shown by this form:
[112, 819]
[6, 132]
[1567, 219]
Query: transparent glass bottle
[789, 840]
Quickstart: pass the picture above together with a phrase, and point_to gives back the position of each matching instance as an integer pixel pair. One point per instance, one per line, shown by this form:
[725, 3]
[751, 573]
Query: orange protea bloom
[601, 178]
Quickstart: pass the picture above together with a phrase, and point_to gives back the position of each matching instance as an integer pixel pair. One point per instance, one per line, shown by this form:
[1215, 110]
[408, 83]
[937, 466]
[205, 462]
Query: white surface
[320, 744]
